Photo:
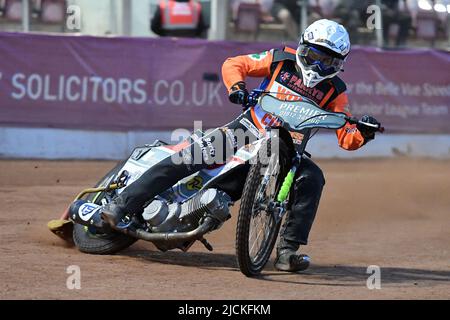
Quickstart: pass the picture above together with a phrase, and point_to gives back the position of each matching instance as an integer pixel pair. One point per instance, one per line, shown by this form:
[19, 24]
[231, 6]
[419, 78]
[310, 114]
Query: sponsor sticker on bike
[251, 127]
[87, 210]
[196, 183]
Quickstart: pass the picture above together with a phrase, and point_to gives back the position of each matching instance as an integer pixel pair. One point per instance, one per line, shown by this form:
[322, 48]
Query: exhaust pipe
[171, 237]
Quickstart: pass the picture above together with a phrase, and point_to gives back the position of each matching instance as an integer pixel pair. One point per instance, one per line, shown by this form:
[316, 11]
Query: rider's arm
[237, 69]
[349, 137]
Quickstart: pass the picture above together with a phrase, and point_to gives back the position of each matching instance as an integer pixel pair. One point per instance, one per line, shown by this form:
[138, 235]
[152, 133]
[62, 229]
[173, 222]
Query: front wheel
[257, 229]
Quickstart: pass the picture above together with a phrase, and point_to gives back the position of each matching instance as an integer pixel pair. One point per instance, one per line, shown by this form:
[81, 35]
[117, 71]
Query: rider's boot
[114, 212]
[288, 259]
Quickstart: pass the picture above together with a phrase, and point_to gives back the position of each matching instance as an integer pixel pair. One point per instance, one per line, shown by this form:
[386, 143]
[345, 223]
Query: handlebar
[353, 120]
[252, 99]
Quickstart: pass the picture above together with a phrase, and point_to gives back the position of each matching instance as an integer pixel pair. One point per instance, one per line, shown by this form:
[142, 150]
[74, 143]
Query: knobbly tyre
[193, 207]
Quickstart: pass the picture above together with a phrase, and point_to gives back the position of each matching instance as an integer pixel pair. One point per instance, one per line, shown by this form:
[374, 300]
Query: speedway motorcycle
[193, 207]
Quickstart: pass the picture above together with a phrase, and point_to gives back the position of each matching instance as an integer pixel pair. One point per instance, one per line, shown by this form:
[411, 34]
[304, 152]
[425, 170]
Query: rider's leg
[162, 176]
[295, 231]
[212, 148]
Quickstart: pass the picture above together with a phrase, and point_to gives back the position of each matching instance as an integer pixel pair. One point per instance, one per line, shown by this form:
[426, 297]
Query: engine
[181, 217]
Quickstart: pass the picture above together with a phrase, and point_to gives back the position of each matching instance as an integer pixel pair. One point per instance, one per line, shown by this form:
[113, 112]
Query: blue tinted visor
[326, 63]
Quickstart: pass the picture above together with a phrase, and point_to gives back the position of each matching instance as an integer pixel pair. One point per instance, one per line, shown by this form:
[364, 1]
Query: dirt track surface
[390, 213]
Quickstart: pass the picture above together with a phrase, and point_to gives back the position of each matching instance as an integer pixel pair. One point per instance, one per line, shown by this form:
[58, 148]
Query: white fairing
[325, 33]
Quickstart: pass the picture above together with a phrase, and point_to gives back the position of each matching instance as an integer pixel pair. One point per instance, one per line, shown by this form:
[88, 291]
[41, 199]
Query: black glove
[368, 132]
[239, 93]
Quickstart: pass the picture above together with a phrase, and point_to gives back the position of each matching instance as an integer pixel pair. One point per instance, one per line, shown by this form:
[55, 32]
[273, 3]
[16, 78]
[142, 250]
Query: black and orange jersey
[281, 77]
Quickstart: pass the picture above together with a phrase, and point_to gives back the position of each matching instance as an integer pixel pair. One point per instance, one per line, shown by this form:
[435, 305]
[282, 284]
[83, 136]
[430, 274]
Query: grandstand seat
[248, 18]
[317, 9]
[327, 8]
[52, 11]
[13, 10]
[427, 26]
[393, 30]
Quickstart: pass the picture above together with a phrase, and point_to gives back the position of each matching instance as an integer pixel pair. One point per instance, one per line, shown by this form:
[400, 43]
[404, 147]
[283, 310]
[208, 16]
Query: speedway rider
[310, 71]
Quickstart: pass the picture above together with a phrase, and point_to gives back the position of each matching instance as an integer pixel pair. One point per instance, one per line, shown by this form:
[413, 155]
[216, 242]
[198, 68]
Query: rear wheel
[257, 229]
[87, 239]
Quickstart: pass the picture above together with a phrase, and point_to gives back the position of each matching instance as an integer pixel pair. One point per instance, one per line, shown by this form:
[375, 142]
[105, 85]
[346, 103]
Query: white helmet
[322, 50]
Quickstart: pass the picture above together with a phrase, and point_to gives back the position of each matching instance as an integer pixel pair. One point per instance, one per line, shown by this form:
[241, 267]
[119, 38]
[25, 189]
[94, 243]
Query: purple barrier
[157, 84]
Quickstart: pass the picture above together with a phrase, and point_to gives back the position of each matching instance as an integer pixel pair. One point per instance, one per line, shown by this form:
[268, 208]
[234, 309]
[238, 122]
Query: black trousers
[216, 147]
[305, 197]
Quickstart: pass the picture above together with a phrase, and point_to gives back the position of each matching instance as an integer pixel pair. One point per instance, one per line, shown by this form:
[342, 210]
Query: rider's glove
[368, 132]
[238, 93]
